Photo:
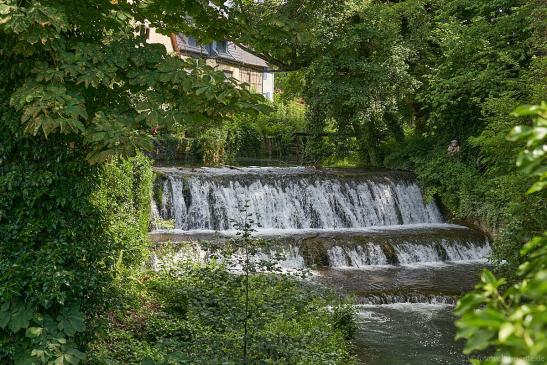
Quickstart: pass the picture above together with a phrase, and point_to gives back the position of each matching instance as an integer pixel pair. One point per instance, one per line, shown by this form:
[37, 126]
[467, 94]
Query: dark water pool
[407, 333]
[407, 320]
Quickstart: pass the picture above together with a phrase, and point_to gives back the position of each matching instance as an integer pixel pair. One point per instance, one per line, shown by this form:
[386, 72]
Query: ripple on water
[407, 333]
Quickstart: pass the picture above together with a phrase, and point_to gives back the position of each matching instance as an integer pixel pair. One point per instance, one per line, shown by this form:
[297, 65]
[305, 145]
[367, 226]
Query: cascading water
[285, 202]
[406, 253]
[365, 234]
[291, 198]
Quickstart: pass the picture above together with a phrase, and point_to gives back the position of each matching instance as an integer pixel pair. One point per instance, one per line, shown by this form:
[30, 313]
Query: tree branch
[282, 66]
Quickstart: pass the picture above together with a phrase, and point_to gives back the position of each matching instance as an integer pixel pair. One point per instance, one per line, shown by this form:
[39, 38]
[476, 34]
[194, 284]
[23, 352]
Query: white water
[361, 256]
[396, 300]
[292, 201]
[288, 259]
[278, 232]
[407, 253]
[469, 252]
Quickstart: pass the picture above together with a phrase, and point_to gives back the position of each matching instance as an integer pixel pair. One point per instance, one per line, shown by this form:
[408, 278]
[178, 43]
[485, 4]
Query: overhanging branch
[281, 66]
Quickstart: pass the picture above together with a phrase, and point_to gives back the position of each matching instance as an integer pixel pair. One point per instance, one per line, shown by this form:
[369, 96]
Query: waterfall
[288, 198]
[342, 219]
[353, 255]
[406, 253]
[406, 298]
[458, 251]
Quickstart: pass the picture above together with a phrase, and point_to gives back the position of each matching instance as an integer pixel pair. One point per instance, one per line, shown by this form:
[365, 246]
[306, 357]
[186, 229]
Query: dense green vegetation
[268, 136]
[371, 83]
[79, 92]
[512, 319]
[393, 83]
[192, 314]
[67, 229]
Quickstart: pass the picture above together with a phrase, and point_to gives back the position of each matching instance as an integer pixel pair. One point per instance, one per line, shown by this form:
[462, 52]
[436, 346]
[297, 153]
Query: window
[222, 46]
[192, 42]
[228, 74]
[252, 77]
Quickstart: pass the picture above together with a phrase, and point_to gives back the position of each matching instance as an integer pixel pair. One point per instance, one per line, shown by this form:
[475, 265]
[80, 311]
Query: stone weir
[365, 234]
[337, 218]
[289, 198]
[346, 248]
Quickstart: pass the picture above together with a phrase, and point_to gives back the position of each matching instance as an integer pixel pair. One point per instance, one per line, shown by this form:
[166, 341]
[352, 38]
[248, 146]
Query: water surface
[407, 333]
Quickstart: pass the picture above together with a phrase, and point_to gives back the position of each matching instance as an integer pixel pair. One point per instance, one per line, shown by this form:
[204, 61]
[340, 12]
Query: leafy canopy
[513, 320]
[80, 68]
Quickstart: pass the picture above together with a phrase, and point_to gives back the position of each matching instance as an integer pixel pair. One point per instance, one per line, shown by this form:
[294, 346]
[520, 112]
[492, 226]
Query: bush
[66, 228]
[194, 315]
[267, 135]
[512, 320]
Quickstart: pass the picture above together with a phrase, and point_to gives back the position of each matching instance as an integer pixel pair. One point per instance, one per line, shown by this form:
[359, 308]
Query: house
[226, 56]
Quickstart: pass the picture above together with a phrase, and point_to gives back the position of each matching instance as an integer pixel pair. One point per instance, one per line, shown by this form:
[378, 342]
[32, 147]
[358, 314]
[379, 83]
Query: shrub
[194, 315]
[512, 320]
[66, 228]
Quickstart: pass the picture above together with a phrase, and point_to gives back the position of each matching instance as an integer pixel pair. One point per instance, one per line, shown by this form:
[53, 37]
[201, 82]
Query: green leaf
[505, 331]
[20, 318]
[71, 321]
[488, 278]
[537, 186]
[526, 110]
[33, 332]
[479, 341]
[74, 356]
[5, 315]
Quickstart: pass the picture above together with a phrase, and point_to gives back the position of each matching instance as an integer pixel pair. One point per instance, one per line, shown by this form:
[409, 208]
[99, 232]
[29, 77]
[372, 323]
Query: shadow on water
[407, 316]
[407, 333]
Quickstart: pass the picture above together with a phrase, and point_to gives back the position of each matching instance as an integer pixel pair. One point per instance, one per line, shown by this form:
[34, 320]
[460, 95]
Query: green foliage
[78, 86]
[355, 88]
[266, 135]
[533, 159]
[66, 228]
[194, 314]
[43, 339]
[513, 320]
[273, 135]
[103, 82]
[289, 85]
[287, 117]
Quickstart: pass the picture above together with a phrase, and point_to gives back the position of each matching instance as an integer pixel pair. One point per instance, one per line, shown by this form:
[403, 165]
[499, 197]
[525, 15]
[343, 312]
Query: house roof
[234, 53]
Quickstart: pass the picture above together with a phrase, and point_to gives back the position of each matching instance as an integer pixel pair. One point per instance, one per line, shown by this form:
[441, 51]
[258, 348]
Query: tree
[79, 69]
[78, 89]
[361, 81]
[288, 34]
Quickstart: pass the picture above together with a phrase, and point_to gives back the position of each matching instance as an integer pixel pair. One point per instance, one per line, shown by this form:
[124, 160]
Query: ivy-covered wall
[66, 228]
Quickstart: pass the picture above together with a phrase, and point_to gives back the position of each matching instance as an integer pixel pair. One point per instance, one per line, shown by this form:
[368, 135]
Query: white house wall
[155, 37]
[268, 83]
